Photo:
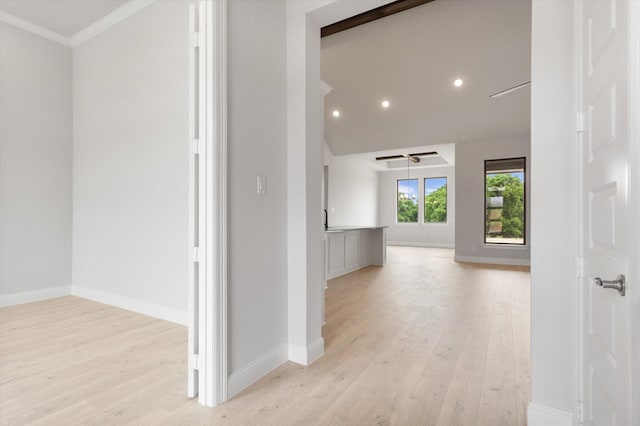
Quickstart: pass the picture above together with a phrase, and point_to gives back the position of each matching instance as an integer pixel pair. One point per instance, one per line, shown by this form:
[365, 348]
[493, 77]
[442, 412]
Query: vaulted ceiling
[411, 59]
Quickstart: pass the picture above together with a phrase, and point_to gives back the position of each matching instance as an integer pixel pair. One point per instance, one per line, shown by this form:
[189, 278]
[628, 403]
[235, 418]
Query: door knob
[617, 284]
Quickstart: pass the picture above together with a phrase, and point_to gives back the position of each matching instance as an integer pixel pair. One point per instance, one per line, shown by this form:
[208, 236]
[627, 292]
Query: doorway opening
[471, 150]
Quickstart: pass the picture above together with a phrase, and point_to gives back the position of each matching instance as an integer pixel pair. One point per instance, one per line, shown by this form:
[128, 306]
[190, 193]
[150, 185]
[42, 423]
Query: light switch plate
[262, 185]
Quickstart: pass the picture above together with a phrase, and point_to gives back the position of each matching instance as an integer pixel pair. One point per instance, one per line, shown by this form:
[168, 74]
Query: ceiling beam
[371, 15]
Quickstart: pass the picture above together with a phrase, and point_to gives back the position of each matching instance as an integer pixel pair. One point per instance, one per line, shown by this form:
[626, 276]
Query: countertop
[351, 228]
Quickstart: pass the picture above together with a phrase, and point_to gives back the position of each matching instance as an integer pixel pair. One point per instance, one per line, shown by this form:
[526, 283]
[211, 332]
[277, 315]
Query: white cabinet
[351, 240]
[347, 250]
[336, 253]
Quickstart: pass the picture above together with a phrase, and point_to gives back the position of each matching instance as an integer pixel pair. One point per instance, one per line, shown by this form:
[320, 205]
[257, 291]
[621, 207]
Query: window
[435, 200]
[505, 201]
[407, 207]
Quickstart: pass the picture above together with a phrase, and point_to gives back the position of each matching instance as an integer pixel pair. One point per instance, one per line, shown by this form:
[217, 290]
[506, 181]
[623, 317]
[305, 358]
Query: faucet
[326, 219]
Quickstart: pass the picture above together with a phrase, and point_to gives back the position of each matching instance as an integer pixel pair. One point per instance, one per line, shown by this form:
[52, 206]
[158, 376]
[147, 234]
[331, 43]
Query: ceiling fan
[511, 89]
[413, 157]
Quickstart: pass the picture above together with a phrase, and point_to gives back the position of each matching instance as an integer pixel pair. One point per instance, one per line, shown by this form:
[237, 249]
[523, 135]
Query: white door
[603, 98]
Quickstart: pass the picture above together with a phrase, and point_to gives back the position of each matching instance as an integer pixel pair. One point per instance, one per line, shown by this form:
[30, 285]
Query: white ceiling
[64, 17]
[412, 59]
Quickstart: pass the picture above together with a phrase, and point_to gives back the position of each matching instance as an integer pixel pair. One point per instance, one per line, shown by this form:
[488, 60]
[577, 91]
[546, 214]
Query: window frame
[418, 202]
[524, 202]
[424, 200]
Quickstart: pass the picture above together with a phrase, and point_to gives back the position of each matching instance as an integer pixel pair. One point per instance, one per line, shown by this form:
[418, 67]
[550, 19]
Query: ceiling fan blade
[423, 154]
[511, 89]
[390, 157]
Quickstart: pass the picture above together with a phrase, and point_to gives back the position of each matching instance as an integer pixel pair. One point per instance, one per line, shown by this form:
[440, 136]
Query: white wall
[130, 100]
[553, 172]
[35, 166]
[304, 168]
[305, 267]
[470, 201]
[257, 223]
[353, 191]
[418, 234]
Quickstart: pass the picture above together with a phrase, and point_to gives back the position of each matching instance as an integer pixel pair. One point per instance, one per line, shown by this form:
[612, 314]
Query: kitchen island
[349, 248]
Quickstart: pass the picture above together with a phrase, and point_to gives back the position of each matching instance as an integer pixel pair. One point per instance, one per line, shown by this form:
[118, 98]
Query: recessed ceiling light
[458, 82]
[336, 113]
[385, 104]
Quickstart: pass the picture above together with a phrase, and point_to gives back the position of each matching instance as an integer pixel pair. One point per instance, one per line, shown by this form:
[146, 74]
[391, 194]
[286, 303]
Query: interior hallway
[423, 340]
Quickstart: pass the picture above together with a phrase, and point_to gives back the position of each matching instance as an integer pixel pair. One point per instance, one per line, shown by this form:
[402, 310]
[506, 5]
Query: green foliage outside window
[435, 206]
[407, 209]
[511, 189]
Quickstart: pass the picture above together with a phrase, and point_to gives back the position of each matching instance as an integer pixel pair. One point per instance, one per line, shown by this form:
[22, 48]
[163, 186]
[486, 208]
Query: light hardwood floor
[421, 341]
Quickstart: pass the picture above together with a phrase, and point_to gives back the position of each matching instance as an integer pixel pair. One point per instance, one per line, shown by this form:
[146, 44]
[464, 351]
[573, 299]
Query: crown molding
[102, 24]
[106, 22]
[33, 28]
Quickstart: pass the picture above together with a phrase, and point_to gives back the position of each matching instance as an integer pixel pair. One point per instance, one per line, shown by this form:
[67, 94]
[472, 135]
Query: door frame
[207, 328]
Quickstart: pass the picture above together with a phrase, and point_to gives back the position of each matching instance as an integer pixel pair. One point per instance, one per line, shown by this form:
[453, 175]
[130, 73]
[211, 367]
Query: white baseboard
[315, 350]
[144, 308]
[543, 415]
[34, 296]
[493, 260]
[256, 369]
[306, 356]
[420, 244]
[346, 271]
